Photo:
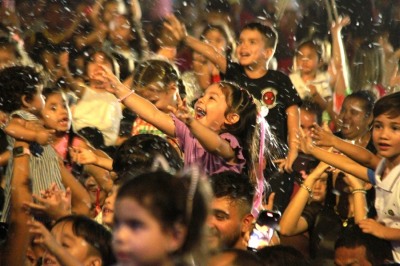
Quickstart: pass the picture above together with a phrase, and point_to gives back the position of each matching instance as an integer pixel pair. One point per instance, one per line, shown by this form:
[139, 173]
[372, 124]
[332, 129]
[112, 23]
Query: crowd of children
[115, 118]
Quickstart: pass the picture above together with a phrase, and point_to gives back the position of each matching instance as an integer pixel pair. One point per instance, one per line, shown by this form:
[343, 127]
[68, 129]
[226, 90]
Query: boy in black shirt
[256, 46]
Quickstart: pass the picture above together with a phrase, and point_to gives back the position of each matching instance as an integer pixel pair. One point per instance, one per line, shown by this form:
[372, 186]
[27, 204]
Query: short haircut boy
[389, 104]
[268, 32]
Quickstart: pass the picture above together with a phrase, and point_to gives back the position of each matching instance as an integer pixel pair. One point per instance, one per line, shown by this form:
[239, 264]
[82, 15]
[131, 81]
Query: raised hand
[322, 136]
[182, 112]
[54, 202]
[339, 24]
[175, 28]
[82, 155]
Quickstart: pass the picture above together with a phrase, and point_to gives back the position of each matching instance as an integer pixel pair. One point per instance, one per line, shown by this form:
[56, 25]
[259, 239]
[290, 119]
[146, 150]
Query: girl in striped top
[21, 97]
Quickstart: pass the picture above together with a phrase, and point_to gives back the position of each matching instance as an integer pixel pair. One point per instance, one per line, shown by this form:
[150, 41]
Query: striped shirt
[43, 169]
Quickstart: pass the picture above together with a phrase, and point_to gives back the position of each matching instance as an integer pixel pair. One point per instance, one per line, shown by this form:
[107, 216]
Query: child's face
[319, 188]
[354, 120]
[56, 113]
[95, 68]
[216, 39]
[138, 238]
[307, 60]
[108, 207]
[96, 194]
[161, 95]
[307, 120]
[211, 107]
[120, 31]
[75, 245]
[36, 104]
[386, 137]
[251, 50]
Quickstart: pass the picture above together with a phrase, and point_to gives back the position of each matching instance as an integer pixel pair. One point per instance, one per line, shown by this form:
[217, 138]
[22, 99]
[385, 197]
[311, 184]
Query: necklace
[345, 222]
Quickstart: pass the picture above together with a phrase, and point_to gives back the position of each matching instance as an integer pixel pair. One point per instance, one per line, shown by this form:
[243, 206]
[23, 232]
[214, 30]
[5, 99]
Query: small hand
[182, 112]
[371, 226]
[83, 156]
[45, 136]
[322, 136]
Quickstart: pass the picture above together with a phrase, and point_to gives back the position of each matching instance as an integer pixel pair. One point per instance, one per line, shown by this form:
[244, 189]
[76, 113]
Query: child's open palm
[322, 136]
[182, 112]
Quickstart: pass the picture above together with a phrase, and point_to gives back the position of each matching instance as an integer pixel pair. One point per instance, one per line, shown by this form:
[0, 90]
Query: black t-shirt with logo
[274, 90]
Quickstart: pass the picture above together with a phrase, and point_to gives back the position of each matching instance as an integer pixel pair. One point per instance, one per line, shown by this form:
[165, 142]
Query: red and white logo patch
[268, 97]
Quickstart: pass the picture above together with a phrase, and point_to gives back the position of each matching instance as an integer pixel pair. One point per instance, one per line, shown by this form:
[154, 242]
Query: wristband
[308, 189]
[126, 96]
[359, 190]
[20, 151]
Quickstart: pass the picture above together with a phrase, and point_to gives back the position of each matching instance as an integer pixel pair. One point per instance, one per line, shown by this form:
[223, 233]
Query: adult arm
[292, 223]
[18, 240]
[139, 105]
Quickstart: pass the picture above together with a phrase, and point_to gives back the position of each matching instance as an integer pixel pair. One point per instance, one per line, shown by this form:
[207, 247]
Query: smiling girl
[220, 136]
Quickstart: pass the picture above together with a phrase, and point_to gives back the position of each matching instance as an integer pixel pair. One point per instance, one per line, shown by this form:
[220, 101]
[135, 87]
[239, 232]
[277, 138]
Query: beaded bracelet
[126, 96]
[308, 189]
[359, 190]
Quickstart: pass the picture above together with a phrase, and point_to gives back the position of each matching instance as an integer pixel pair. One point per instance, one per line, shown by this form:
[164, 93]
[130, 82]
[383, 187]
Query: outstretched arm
[85, 156]
[178, 30]
[324, 137]
[373, 227]
[209, 139]
[141, 106]
[336, 160]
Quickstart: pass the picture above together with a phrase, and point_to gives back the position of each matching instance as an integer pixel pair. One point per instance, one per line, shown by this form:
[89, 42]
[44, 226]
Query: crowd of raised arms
[199, 132]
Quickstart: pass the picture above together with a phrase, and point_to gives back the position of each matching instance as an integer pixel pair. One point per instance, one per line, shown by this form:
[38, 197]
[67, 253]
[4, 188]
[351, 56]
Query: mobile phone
[263, 230]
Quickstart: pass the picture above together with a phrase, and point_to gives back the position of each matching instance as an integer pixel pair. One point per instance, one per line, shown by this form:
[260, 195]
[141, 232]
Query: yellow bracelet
[308, 189]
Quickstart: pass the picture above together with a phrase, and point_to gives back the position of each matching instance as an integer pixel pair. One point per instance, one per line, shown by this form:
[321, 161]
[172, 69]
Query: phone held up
[263, 230]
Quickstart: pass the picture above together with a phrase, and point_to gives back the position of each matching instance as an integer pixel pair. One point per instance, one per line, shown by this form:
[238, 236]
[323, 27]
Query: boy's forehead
[251, 32]
[391, 116]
